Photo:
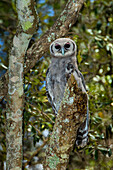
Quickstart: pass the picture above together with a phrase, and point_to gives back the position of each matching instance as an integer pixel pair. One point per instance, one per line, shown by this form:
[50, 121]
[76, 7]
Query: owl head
[63, 47]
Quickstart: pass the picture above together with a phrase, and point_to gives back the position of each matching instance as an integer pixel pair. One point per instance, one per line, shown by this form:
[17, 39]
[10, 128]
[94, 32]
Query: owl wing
[82, 132]
[80, 79]
[49, 88]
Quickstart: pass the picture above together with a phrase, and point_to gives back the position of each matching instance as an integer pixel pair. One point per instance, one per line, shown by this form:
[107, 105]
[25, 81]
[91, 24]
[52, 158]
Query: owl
[63, 64]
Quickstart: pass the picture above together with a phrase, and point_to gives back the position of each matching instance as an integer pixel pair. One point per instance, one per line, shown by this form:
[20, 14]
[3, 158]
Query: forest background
[93, 33]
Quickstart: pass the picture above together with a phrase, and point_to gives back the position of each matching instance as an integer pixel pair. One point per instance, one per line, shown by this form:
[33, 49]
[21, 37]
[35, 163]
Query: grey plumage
[63, 64]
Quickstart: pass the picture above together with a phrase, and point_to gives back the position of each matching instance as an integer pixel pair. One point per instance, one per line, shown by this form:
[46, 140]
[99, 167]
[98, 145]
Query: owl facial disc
[63, 47]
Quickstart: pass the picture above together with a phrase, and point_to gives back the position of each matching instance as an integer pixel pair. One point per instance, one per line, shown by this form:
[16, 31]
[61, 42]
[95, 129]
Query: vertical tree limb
[27, 25]
[71, 114]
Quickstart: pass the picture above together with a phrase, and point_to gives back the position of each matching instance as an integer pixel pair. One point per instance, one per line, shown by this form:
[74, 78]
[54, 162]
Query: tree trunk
[27, 25]
[71, 114]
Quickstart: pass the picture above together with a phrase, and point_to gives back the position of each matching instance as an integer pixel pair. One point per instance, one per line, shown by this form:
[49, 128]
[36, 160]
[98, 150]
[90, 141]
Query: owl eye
[67, 45]
[57, 46]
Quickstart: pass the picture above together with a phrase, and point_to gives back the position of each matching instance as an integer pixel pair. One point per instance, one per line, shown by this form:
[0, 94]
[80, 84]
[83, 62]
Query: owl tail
[82, 135]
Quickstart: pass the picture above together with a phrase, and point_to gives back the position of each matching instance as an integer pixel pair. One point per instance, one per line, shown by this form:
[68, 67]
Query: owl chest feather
[60, 71]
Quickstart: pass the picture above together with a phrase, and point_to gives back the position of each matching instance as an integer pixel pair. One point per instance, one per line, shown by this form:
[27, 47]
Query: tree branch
[71, 114]
[34, 153]
[65, 21]
[62, 25]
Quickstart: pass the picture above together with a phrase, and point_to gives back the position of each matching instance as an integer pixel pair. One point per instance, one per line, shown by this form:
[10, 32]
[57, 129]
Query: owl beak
[63, 51]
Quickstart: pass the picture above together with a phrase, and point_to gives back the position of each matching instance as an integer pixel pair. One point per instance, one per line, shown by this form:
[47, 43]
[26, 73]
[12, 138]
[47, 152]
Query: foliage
[93, 34]
[94, 39]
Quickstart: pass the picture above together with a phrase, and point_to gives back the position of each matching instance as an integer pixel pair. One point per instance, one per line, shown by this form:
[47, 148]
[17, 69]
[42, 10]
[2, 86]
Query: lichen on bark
[71, 114]
[15, 84]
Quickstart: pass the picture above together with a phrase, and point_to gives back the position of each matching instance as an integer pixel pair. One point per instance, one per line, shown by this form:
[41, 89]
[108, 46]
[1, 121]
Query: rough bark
[27, 25]
[71, 114]
[62, 25]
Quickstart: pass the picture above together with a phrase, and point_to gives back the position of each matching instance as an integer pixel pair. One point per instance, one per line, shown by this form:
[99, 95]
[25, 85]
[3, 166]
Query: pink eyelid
[56, 44]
